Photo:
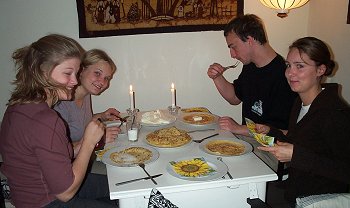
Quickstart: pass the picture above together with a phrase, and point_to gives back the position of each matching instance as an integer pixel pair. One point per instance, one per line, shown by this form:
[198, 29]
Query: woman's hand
[112, 133]
[108, 115]
[93, 132]
[283, 151]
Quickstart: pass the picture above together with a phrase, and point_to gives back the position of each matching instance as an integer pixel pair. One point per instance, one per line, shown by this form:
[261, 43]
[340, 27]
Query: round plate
[107, 160]
[179, 146]
[164, 119]
[195, 109]
[219, 167]
[176, 137]
[247, 147]
[198, 123]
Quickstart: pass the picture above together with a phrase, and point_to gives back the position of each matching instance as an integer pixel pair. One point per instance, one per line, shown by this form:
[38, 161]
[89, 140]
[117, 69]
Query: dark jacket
[321, 155]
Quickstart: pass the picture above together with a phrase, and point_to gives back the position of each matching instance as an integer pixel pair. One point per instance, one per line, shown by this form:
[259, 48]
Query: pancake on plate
[168, 137]
[199, 118]
[225, 147]
[195, 109]
[131, 155]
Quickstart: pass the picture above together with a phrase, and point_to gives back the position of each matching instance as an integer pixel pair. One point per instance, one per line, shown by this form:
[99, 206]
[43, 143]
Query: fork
[142, 165]
[228, 172]
[227, 67]
[122, 120]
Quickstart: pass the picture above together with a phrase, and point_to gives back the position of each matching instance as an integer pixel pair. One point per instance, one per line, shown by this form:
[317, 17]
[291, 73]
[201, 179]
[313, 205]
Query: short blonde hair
[95, 55]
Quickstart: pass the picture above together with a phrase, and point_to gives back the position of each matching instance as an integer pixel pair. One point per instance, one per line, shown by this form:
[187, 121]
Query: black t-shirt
[265, 93]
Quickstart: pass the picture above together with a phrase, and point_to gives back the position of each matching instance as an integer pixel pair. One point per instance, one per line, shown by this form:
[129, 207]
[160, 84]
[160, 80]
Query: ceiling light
[283, 6]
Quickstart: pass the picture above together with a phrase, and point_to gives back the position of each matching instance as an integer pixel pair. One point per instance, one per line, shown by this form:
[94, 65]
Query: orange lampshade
[283, 6]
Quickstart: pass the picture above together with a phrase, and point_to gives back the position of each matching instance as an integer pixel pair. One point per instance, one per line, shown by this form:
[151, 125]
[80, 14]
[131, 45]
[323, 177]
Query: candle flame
[130, 88]
[172, 86]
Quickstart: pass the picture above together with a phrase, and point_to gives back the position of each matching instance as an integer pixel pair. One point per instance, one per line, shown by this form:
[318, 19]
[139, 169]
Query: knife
[201, 140]
[200, 130]
[138, 179]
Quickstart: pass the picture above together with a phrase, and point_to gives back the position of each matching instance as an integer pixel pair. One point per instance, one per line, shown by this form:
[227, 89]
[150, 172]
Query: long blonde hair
[34, 65]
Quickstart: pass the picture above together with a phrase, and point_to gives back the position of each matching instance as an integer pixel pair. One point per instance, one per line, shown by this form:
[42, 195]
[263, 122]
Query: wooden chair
[257, 203]
[2, 198]
[282, 170]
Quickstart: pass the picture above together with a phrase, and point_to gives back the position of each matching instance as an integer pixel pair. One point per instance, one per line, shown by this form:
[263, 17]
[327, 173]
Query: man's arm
[225, 88]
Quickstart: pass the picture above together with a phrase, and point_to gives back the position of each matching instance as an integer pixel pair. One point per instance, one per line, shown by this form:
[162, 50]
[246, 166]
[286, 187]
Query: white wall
[151, 62]
[327, 21]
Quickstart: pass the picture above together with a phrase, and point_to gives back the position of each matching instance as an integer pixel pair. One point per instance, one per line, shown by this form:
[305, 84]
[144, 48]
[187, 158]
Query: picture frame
[348, 19]
[99, 18]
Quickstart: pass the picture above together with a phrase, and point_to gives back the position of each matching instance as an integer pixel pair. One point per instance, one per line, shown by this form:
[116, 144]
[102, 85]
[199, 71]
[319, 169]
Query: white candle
[132, 101]
[173, 95]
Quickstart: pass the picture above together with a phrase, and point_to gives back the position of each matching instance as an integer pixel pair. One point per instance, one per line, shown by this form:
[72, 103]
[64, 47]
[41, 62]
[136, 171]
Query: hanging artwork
[128, 17]
[348, 20]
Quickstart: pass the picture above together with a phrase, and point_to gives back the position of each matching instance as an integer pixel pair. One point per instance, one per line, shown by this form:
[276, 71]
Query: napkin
[195, 167]
[157, 200]
[263, 139]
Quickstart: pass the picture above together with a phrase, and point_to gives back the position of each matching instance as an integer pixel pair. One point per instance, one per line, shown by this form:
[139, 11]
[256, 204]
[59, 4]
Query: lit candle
[173, 95]
[132, 100]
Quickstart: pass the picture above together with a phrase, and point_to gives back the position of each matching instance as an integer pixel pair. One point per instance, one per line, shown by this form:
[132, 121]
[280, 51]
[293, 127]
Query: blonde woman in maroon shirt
[37, 155]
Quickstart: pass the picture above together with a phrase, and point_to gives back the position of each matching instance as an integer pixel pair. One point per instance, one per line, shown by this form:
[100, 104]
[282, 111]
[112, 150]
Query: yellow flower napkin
[196, 167]
[263, 139]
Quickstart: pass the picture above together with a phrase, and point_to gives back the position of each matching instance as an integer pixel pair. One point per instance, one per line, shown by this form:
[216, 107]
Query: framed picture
[348, 20]
[99, 18]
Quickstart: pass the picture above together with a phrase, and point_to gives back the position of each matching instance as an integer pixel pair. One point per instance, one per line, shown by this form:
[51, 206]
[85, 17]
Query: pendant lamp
[283, 6]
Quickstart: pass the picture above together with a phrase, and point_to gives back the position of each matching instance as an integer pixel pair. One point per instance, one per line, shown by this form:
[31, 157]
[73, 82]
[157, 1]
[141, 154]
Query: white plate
[247, 147]
[219, 167]
[159, 146]
[216, 118]
[112, 123]
[184, 145]
[165, 118]
[117, 123]
[107, 160]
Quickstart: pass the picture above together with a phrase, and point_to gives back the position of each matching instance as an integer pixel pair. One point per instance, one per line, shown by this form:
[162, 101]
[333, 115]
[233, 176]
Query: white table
[249, 173]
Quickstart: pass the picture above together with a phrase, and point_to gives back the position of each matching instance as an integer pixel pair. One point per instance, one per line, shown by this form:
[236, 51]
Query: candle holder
[173, 110]
[132, 112]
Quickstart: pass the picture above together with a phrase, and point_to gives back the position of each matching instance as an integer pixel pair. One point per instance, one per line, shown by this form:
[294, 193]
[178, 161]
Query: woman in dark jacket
[317, 144]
